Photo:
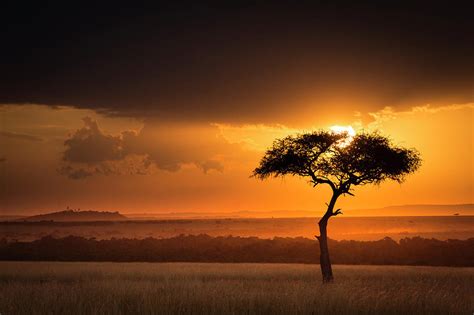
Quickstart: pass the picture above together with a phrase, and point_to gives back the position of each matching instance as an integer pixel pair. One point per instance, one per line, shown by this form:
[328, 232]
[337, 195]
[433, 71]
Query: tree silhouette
[340, 161]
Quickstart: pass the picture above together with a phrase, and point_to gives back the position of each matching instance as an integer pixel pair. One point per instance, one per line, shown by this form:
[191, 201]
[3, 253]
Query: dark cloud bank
[243, 63]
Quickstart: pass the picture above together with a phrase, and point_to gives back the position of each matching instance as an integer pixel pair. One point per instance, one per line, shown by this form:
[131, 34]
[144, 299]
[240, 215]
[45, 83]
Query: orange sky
[170, 107]
[51, 159]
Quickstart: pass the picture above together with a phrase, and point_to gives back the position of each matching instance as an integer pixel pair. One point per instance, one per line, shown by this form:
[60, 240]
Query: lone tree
[340, 161]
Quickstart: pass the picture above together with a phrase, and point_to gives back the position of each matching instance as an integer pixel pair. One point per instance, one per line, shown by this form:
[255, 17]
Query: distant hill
[415, 210]
[75, 215]
[402, 210]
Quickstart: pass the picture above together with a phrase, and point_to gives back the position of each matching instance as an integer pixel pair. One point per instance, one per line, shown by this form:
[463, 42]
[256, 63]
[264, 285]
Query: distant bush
[204, 248]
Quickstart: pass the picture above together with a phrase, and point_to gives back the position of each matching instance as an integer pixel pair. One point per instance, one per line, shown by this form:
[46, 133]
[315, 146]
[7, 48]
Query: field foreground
[199, 288]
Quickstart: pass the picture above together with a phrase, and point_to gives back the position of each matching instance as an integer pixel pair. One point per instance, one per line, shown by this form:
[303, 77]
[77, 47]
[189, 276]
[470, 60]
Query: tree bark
[324, 259]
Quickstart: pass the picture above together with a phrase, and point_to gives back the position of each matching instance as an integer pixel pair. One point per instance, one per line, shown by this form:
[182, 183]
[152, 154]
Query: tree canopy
[338, 160]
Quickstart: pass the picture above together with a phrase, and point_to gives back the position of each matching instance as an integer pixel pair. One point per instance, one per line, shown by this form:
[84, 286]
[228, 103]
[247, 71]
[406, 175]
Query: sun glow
[344, 129]
[341, 129]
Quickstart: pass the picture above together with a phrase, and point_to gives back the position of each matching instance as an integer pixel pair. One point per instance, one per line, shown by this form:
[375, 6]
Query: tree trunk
[324, 260]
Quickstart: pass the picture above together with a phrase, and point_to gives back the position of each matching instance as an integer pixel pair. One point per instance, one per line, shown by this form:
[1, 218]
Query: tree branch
[345, 187]
[318, 180]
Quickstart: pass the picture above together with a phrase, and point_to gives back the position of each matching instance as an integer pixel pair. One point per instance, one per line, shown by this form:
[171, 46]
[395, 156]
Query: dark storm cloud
[90, 151]
[240, 64]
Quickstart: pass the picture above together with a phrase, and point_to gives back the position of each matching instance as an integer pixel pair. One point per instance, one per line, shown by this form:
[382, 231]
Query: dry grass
[187, 288]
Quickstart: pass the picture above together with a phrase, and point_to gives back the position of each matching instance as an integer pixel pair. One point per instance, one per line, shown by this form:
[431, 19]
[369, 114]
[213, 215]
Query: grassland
[194, 288]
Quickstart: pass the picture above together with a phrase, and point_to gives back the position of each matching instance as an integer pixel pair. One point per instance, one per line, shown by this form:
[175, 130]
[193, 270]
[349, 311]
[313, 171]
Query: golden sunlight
[344, 129]
[340, 129]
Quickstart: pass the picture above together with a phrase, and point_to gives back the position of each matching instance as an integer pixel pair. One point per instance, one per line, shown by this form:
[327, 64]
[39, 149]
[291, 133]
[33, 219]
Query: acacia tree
[341, 162]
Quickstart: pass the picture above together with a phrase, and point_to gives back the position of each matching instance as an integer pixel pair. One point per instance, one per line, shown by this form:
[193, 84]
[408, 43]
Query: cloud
[209, 165]
[155, 147]
[389, 113]
[169, 147]
[278, 64]
[74, 173]
[20, 136]
[89, 145]
[129, 165]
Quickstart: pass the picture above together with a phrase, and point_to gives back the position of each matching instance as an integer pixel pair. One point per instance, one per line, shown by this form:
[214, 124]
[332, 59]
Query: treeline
[204, 248]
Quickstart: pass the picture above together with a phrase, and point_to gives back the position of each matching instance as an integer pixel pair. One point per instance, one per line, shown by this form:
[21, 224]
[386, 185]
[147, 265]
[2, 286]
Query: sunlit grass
[195, 288]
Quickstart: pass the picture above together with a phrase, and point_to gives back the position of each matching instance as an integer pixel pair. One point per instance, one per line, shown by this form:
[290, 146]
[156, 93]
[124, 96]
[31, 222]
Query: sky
[170, 108]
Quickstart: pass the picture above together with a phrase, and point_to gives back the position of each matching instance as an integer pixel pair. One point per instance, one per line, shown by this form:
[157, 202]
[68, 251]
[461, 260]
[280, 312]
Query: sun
[340, 129]
[344, 129]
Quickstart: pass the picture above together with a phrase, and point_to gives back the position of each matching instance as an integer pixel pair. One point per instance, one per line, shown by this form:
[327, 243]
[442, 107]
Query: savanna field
[200, 288]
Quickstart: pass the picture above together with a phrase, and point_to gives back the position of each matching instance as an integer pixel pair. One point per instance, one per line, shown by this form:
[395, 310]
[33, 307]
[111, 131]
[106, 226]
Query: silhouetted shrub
[204, 248]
